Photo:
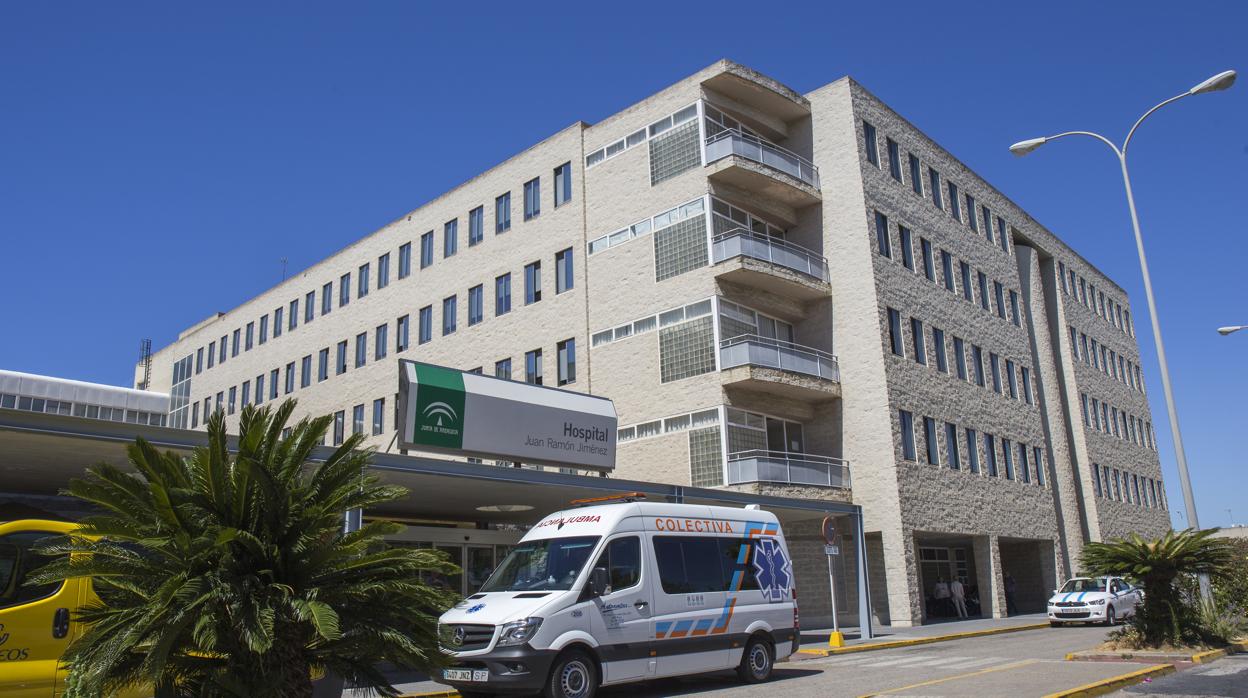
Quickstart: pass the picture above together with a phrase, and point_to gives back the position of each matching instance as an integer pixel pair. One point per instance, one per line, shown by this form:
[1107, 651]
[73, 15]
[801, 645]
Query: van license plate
[466, 674]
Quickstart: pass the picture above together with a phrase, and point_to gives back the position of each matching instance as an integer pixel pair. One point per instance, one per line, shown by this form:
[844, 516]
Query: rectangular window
[563, 271]
[426, 249]
[234, 343]
[894, 159]
[250, 335]
[259, 389]
[983, 291]
[934, 182]
[424, 331]
[502, 295]
[999, 291]
[502, 368]
[221, 355]
[405, 260]
[327, 298]
[361, 349]
[449, 312]
[938, 343]
[881, 235]
[322, 367]
[476, 301]
[273, 376]
[357, 419]
[987, 218]
[402, 333]
[532, 198]
[290, 378]
[970, 213]
[533, 367]
[294, 314]
[916, 179]
[476, 225]
[946, 268]
[1008, 455]
[972, 450]
[1024, 468]
[341, 364]
[907, 247]
[955, 204]
[344, 289]
[278, 321]
[907, 435]
[199, 359]
[532, 282]
[871, 144]
[990, 451]
[381, 342]
[994, 362]
[339, 427]
[450, 238]
[230, 405]
[1001, 236]
[264, 329]
[305, 371]
[362, 281]
[977, 358]
[951, 446]
[379, 415]
[916, 334]
[929, 438]
[1014, 314]
[566, 351]
[1026, 372]
[1010, 380]
[894, 332]
[929, 264]
[563, 184]
[959, 357]
[502, 213]
[964, 270]
[383, 270]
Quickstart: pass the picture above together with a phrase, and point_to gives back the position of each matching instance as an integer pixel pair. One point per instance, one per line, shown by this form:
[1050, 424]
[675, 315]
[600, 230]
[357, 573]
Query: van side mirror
[599, 583]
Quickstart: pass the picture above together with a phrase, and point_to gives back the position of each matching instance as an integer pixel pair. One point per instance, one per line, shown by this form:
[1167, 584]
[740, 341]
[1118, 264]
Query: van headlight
[518, 632]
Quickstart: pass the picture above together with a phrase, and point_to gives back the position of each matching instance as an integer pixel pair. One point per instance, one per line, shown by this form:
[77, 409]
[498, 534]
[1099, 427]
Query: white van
[623, 592]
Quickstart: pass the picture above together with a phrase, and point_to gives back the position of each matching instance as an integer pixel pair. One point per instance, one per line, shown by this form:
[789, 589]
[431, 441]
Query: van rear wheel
[757, 661]
[573, 676]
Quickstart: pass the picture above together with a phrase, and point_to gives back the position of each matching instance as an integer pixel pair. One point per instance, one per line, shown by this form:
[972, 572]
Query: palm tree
[231, 575]
[1158, 566]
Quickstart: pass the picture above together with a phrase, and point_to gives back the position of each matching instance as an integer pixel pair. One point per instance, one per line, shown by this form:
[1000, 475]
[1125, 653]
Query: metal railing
[740, 242]
[787, 468]
[735, 142]
[753, 350]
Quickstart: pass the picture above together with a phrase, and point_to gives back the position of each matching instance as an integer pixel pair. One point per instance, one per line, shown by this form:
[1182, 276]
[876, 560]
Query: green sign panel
[439, 414]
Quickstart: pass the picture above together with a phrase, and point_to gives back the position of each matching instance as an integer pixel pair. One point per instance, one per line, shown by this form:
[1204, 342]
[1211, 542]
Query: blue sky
[157, 160]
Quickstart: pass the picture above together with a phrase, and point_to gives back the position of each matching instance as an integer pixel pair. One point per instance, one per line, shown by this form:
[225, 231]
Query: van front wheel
[757, 661]
[573, 676]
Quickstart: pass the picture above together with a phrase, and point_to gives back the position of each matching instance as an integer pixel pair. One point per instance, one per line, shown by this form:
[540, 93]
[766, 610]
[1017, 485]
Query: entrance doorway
[942, 559]
[476, 552]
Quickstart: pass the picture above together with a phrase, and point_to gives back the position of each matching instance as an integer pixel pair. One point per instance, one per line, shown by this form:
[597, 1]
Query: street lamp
[1233, 328]
[1221, 81]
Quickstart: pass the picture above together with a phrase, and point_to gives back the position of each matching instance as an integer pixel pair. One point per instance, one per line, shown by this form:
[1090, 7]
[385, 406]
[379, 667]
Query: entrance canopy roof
[40, 453]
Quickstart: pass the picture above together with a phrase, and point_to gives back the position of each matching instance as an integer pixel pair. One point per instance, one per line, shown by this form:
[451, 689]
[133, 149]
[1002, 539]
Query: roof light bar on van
[624, 497]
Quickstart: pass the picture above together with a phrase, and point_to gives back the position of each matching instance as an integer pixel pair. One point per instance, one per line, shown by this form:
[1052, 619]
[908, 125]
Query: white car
[1094, 600]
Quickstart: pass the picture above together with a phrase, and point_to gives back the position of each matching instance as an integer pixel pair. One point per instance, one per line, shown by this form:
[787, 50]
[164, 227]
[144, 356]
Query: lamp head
[1233, 328]
[1021, 148]
[1221, 81]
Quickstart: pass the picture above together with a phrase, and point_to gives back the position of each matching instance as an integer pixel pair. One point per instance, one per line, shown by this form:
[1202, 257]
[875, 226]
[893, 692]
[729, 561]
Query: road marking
[967, 664]
[898, 660]
[955, 677]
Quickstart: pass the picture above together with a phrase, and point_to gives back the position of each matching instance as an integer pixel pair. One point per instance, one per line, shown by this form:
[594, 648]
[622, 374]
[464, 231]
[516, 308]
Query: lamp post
[1232, 328]
[1221, 81]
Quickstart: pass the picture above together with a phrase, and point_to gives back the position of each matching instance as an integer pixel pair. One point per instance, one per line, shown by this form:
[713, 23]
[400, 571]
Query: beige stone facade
[728, 293]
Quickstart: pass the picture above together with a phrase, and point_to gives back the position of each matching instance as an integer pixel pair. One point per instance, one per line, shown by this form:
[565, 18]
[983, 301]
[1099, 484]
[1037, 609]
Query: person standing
[1010, 587]
[958, 593]
[941, 593]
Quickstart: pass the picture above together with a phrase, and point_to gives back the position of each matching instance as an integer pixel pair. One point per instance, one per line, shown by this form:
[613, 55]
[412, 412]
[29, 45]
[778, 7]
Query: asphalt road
[1225, 677]
[1016, 665]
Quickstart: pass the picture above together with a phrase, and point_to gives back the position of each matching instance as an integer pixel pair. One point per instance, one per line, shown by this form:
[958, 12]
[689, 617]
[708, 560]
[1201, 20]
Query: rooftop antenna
[145, 359]
[283, 268]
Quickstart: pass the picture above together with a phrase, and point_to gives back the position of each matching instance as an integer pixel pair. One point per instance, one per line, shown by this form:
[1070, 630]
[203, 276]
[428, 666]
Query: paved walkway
[818, 638]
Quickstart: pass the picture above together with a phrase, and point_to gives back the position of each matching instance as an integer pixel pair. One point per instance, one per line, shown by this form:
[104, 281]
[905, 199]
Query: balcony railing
[787, 468]
[734, 142]
[740, 242]
[753, 350]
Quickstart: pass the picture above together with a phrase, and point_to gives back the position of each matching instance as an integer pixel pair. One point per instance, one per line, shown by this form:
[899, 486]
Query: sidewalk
[818, 638]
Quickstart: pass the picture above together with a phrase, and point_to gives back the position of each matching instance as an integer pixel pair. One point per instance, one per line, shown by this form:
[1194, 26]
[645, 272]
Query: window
[1010, 380]
[426, 249]
[871, 144]
[938, 342]
[964, 270]
[929, 437]
[362, 281]
[532, 282]
[230, 405]
[502, 295]
[983, 291]
[1026, 372]
[999, 292]
[339, 418]
[1009, 458]
[894, 332]
[695, 565]
[566, 354]
[448, 315]
[533, 367]
[249, 336]
[424, 332]
[309, 308]
[1024, 468]
[381, 341]
[221, 355]
[322, 368]
[987, 217]
[907, 435]
[361, 349]
[502, 213]
[532, 198]
[959, 356]
[475, 302]
[502, 368]
[476, 225]
[264, 329]
[402, 333]
[894, 159]
[881, 235]
[342, 358]
[916, 334]
[357, 419]
[955, 206]
[929, 268]
[934, 180]
[1037, 457]
[344, 289]
[907, 247]
[379, 415]
[327, 298]
[278, 319]
[977, 357]
[972, 450]
[946, 268]
[1001, 236]
[1014, 314]
[990, 450]
[294, 314]
[450, 238]
[622, 561]
[305, 371]
[199, 360]
[563, 271]
[405, 260]
[234, 344]
[994, 362]
[273, 376]
[383, 270]
[916, 180]
[563, 184]
[951, 446]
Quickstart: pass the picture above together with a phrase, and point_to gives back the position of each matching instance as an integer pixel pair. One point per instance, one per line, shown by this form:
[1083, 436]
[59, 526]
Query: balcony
[771, 263]
[751, 163]
[787, 468]
[779, 368]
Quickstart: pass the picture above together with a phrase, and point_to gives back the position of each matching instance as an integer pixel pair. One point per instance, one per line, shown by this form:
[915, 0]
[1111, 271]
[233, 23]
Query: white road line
[975, 662]
[905, 660]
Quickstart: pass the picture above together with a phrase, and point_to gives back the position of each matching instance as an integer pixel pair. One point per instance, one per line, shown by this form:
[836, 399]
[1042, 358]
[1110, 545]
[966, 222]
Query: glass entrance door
[480, 564]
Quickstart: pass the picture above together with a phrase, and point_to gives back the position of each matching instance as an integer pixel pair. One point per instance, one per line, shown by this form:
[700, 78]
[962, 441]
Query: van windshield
[552, 564]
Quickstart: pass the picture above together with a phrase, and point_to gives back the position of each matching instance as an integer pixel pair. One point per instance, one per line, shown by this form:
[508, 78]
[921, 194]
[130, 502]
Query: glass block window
[675, 152]
[680, 248]
[687, 349]
[706, 461]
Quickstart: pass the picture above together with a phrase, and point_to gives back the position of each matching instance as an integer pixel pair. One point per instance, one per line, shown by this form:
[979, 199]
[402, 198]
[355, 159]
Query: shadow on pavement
[701, 683]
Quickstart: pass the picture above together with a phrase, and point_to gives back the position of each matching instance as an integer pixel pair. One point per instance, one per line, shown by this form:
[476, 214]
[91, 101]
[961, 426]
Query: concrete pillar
[988, 576]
